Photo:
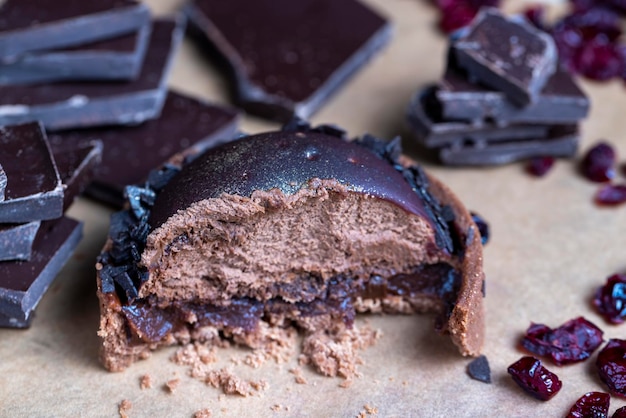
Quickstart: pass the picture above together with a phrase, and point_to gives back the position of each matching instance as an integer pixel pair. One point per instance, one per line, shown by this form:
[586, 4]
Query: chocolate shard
[507, 54]
[186, 126]
[36, 25]
[288, 57]
[432, 130]
[86, 104]
[562, 141]
[16, 240]
[34, 190]
[560, 102]
[478, 369]
[22, 284]
[119, 58]
[76, 163]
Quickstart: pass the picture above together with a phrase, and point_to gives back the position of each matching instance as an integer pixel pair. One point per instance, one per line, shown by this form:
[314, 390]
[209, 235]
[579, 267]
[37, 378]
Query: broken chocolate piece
[287, 58]
[35, 25]
[561, 141]
[186, 126]
[34, 190]
[507, 54]
[119, 58]
[23, 283]
[433, 131]
[76, 163]
[478, 369]
[84, 104]
[560, 102]
[16, 240]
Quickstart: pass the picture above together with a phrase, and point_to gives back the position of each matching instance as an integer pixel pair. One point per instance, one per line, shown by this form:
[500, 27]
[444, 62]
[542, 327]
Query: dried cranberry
[610, 299]
[456, 16]
[596, 21]
[597, 164]
[620, 412]
[611, 364]
[572, 342]
[611, 194]
[591, 405]
[598, 59]
[535, 379]
[535, 15]
[539, 166]
[483, 227]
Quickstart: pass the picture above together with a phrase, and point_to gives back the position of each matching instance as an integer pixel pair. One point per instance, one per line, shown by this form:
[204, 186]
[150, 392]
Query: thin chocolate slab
[560, 142]
[430, 129]
[185, 126]
[84, 104]
[560, 102]
[23, 283]
[119, 58]
[36, 25]
[16, 240]
[288, 57]
[507, 54]
[76, 163]
[34, 190]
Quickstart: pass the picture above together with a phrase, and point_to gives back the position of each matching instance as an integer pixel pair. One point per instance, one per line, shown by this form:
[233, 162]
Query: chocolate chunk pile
[85, 105]
[503, 97]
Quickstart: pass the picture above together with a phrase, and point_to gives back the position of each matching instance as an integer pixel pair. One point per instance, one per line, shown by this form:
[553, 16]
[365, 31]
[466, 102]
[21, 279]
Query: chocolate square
[119, 58]
[507, 54]
[23, 283]
[83, 104]
[16, 240]
[186, 126]
[36, 25]
[560, 102]
[34, 190]
[288, 57]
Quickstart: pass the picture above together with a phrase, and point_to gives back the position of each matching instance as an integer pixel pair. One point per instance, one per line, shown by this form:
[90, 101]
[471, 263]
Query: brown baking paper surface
[550, 248]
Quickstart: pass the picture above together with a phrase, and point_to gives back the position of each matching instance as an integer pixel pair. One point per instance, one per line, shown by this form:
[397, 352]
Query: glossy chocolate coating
[507, 54]
[35, 25]
[286, 161]
[33, 190]
[185, 125]
[83, 104]
[22, 284]
[286, 56]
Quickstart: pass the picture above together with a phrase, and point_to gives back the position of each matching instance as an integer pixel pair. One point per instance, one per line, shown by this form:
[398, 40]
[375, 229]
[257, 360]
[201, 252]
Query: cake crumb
[277, 407]
[297, 372]
[124, 407]
[145, 382]
[203, 413]
[172, 385]
[231, 384]
[368, 411]
[346, 383]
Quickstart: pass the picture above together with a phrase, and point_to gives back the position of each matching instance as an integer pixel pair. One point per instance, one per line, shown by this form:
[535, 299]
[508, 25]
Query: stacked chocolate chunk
[82, 82]
[503, 97]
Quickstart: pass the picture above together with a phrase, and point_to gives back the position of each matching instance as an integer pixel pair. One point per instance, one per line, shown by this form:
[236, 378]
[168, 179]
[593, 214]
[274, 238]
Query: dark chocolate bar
[36, 25]
[118, 58]
[83, 104]
[185, 126]
[23, 283]
[562, 141]
[560, 102]
[288, 57]
[16, 240]
[76, 163]
[34, 190]
[433, 131]
[507, 54]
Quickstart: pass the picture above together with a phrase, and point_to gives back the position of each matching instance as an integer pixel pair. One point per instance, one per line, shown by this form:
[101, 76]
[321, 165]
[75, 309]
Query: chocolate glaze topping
[287, 161]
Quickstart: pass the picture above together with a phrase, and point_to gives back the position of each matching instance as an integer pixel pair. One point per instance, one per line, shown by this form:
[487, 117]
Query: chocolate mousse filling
[297, 228]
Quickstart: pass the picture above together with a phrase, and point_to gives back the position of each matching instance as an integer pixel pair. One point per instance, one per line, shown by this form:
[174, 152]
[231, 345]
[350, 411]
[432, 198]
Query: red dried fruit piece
[611, 194]
[572, 342]
[610, 299]
[591, 405]
[456, 16]
[535, 379]
[598, 59]
[619, 413]
[611, 364]
[539, 166]
[598, 163]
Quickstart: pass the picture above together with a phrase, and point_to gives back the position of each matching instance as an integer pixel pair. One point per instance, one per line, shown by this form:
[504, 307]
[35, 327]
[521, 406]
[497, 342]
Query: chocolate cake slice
[296, 228]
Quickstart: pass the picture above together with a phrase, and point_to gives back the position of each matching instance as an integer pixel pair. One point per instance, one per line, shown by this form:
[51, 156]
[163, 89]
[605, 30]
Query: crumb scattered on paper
[145, 382]
[125, 407]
